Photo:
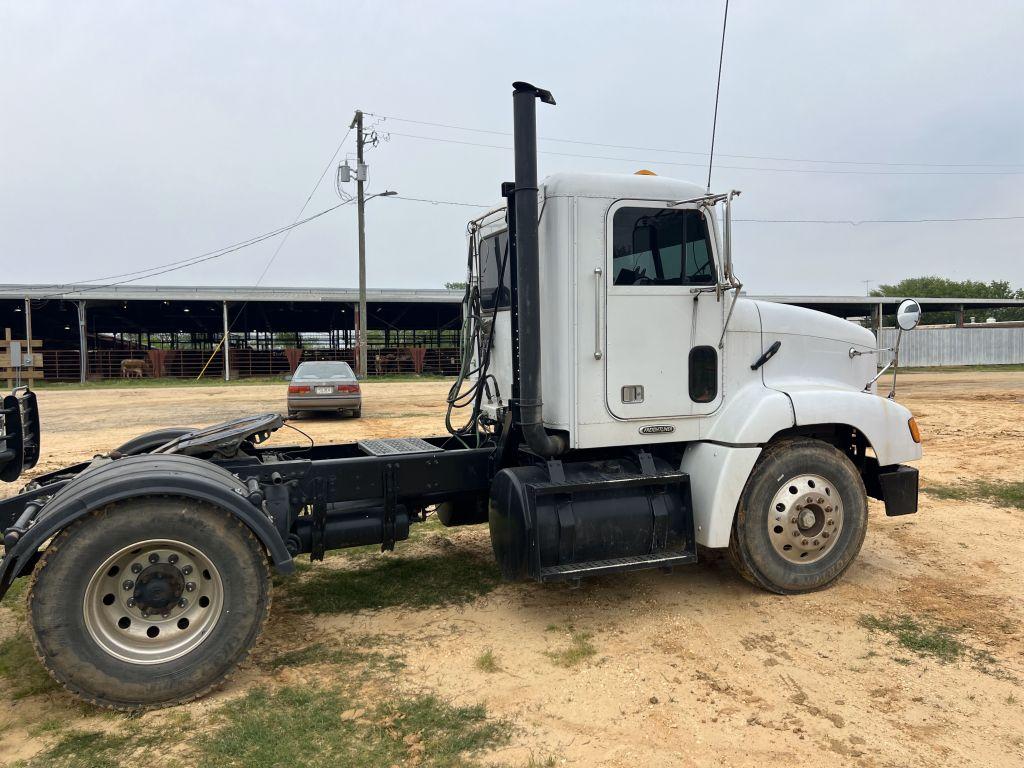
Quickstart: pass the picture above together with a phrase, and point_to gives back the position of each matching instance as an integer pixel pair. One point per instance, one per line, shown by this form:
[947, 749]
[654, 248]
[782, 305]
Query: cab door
[663, 316]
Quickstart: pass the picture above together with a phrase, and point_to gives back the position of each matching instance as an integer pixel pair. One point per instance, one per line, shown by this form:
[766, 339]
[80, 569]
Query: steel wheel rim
[153, 601]
[805, 519]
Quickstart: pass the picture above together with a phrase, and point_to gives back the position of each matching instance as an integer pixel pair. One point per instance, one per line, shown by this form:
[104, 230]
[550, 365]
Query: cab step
[574, 571]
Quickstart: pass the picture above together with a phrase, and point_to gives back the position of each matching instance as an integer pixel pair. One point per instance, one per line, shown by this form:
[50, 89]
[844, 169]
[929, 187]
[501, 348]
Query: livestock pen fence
[436, 353]
[989, 344]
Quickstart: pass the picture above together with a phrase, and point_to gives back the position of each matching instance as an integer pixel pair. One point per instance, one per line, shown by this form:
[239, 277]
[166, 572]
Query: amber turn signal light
[914, 431]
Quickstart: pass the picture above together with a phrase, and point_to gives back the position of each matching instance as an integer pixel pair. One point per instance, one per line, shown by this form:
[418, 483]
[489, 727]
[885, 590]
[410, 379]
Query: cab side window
[494, 272]
[661, 246]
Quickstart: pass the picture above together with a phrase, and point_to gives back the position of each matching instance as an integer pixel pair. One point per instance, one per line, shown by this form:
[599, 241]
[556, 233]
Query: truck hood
[815, 349]
[786, 319]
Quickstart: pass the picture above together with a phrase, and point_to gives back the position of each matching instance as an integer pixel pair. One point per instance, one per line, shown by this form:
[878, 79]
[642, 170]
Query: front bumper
[897, 485]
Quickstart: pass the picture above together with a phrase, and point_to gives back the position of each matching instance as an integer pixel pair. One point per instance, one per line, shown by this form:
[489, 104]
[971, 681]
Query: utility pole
[357, 124]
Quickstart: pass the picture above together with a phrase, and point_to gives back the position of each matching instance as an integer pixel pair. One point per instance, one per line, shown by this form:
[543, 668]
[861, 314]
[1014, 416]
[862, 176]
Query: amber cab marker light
[914, 431]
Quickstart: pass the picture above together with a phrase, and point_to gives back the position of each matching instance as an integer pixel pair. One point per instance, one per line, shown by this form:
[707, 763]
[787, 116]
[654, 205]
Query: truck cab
[646, 341]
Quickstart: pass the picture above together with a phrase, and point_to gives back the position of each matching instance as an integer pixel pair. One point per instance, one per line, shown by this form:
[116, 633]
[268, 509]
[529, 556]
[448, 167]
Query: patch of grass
[313, 727]
[580, 649]
[937, 641]
[82, 749]
[1005, 494]
[348, 656]
[308, 726]
[410, 582]
[21, 670]
[15, 597]
[48, 725]
[487, 662]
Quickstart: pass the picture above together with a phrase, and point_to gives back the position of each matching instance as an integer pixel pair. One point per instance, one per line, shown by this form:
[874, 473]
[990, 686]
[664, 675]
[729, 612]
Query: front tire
[801, 519]
[149, 603]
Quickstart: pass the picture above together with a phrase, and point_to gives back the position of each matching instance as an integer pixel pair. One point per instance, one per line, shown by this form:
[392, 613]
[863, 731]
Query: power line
[302, 210]
[704, 154]
[186, 263]
[442, 202]
[730, 167]
[160, 269]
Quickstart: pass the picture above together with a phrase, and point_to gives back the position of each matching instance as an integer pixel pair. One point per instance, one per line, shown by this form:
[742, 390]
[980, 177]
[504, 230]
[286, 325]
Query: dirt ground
[694, 668]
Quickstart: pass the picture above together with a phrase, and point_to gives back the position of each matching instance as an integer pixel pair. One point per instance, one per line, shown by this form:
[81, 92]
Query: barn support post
[83, 344]
[227, 344]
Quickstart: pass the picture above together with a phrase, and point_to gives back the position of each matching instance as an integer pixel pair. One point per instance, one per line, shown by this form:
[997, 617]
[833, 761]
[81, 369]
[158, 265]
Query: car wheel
[801, 519]
[149, 602]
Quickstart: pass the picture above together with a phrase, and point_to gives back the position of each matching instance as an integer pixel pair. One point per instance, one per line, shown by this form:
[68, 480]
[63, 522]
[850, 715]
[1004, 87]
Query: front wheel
[801, 519]
[149, 602]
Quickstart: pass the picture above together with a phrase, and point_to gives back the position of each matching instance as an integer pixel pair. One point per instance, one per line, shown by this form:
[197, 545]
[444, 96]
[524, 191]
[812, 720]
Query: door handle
[598, 272]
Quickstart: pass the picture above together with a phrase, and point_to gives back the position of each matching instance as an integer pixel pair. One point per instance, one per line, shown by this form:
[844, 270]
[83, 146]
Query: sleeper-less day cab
[620, 405]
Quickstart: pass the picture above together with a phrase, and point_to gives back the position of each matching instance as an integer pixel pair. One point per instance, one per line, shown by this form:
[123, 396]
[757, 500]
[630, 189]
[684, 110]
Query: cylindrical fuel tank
[537, 522]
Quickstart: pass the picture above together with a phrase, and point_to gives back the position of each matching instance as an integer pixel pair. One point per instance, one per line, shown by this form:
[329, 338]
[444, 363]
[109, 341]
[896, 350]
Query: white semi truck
[625, 406]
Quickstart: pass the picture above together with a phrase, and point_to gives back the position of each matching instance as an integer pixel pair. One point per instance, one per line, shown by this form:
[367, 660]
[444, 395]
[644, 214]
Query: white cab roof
[616, 186]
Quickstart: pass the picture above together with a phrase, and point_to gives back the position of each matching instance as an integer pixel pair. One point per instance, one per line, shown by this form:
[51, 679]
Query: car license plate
[324, 390]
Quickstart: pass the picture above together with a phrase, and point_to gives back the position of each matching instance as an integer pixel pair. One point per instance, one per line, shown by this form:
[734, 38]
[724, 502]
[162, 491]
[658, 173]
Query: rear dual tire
[149, 603]
[801, 519]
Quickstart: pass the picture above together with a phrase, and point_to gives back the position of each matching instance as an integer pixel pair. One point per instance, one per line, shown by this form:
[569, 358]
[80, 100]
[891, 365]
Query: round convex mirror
[908, 315]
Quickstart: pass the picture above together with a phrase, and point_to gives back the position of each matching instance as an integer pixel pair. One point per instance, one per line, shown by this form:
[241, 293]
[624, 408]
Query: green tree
[932, 286]
[455, 286]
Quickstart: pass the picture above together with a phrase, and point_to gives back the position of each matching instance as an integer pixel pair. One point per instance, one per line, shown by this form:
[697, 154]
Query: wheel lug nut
[815, 542]
[136, 568]
[165, 615]
[183, 603]
[154, 558]
[128, 585]
[828, 509]
[172, 559]
[131, 602]
[145, 614]
[190, 586]
[804, 542]
[187, 570]
[792, 520]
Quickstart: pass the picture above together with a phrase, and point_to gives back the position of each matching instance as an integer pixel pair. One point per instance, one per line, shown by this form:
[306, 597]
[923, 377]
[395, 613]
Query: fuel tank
[545, 520]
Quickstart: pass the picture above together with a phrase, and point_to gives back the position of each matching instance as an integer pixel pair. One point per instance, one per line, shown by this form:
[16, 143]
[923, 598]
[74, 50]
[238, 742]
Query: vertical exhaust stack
[530, 410]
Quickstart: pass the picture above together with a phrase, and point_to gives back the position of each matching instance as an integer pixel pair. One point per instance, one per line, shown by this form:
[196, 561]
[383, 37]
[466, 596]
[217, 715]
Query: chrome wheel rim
[153, 602]
[805, 519]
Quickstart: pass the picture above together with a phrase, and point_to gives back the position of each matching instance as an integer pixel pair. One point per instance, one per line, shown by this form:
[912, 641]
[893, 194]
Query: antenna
[718, 88]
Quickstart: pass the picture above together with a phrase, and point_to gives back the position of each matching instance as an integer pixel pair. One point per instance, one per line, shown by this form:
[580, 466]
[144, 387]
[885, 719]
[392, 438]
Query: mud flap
[19, 434]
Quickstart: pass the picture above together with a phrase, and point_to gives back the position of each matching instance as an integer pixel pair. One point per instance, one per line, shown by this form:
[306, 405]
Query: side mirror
[908, 315]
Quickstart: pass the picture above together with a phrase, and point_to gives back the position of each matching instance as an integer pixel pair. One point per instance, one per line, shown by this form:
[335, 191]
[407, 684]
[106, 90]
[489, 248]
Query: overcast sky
[135, 134]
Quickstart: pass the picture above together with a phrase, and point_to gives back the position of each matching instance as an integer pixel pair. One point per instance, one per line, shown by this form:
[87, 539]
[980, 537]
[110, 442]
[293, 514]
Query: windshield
[323, 371]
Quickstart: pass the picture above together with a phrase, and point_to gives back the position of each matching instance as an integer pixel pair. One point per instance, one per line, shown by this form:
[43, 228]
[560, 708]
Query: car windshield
[308, 371]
